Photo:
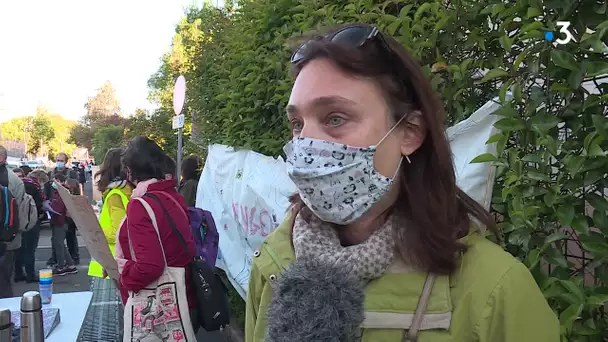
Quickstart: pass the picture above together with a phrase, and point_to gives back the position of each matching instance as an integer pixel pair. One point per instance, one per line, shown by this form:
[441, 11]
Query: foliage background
[550, 193]
[46, 133]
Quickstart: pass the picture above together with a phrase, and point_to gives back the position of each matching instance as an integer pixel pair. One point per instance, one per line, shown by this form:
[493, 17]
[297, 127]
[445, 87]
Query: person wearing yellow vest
[116, 192]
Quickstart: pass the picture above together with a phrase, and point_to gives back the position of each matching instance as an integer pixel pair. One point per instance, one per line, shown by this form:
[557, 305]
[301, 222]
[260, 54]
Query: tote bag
[159, 312]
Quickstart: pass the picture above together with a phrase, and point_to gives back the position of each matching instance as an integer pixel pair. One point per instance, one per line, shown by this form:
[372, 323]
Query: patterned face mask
[337, 182]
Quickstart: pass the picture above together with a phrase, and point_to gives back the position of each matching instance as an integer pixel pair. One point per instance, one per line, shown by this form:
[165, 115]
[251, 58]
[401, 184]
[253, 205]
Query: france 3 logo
[563, 30]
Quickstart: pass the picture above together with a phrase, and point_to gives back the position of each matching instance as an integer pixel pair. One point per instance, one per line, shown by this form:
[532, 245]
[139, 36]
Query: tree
[106, 138]
[103, 110]
[102, 105]
[42, 133]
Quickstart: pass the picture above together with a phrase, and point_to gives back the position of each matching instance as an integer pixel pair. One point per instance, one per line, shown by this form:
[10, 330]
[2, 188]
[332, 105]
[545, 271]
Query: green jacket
[492, 297]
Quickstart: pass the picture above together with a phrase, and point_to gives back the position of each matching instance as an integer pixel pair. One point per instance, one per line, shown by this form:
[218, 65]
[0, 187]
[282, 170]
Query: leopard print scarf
[318, 240]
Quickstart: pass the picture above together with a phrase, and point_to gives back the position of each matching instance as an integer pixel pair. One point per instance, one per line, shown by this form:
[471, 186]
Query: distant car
[34, 164]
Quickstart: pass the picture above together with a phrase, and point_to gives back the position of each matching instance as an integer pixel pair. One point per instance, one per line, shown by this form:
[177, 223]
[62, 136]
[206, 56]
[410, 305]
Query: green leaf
[543, 123]
[493, 74]
[557, 236]
[533, 12]
[564, 60]
[484, 158]
[600, 123]
[580, 224]
[565, 214]
[576, 78]
[538, 176]
[574, 289]
[510, 124]
[596, 68]
[598, 202]
[495, 138]
[596, 245]
[570, 315]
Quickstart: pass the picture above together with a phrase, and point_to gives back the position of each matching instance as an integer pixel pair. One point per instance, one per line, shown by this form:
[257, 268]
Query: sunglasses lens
[350, 37]
[353, 36]
[298, 55]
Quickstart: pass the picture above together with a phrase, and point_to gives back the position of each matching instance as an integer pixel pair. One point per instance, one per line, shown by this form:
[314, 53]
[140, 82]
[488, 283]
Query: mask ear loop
[390, 131]
[408, 159]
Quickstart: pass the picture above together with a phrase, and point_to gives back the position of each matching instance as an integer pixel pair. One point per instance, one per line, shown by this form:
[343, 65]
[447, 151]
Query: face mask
[60, 165]
[337, 182]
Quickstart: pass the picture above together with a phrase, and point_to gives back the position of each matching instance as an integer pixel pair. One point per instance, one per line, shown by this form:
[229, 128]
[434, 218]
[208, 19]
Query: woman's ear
[414, 133]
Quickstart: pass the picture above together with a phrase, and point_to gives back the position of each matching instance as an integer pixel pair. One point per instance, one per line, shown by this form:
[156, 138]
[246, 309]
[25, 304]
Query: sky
[58, 53]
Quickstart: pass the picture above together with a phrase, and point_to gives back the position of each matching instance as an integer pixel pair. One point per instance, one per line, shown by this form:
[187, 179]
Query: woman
[143, 161]
[379, 207]
[189, 182]
[26, 256]
[59, 223]
[116, 192]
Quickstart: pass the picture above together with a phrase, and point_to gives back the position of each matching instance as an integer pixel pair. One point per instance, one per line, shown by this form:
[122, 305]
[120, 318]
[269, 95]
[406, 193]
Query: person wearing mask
[82, 177]
[61, 167]
[170, 167]
[116, 192]
[9, 180]
[381, 244]
[25, 258]
[143, 162]
[65, 263]
[189, 183]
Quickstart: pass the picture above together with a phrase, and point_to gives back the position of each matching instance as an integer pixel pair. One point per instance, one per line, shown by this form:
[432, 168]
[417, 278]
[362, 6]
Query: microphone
[315, 302]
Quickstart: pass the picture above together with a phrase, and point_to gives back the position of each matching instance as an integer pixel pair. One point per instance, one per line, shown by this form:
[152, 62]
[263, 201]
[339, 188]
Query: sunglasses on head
[352, 36]
[355, 36]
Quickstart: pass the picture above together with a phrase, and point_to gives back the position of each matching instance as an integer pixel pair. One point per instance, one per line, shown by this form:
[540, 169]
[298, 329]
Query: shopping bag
[160, 311]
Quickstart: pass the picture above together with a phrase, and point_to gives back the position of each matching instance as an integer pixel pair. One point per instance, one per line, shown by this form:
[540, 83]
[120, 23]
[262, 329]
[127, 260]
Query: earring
[408, 159]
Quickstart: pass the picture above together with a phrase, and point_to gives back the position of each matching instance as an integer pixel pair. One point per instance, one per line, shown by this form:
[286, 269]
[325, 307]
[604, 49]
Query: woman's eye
[296, 125]
[335, 121]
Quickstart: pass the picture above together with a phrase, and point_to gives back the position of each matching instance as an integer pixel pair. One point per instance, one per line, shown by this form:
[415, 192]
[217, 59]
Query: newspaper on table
[88, 225]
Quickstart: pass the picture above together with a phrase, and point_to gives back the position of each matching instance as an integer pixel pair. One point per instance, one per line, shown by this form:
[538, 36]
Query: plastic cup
[46, 285]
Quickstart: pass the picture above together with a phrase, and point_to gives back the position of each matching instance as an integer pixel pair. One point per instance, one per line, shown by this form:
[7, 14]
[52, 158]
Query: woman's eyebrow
[320, 102]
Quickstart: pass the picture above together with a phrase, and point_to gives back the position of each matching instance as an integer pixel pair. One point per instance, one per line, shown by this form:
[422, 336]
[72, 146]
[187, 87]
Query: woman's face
[329, 104]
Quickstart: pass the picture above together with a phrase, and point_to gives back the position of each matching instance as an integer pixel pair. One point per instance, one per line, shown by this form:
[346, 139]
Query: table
[72, 309]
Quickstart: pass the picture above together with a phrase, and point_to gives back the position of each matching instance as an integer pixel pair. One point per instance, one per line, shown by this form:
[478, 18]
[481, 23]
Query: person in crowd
[61, 167]
[378, 211]
[170, 167]
[143, 161]
[65, 263]
[71, 236]
[9, 180]
[26, 170]
[25, 257]
[189, 182]
[82, 177]
[116, 191]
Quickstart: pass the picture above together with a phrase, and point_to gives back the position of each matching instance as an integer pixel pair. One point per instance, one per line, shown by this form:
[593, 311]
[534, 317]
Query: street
[80, 281]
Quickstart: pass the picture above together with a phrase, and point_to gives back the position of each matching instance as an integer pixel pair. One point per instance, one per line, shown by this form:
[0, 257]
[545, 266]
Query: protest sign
[82, 213]
[247, 192]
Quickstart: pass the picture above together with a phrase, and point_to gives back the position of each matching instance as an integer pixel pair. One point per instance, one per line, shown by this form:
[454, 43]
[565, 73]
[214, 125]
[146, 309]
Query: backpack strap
[173, 199]
[146, 206]
[171, 222]
[423, 303]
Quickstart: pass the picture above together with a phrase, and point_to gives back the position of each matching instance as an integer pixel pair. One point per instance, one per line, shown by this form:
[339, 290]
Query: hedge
[552, 165]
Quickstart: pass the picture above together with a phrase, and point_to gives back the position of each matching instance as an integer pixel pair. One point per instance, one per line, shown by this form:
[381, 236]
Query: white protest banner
[82, 213]
[247, 192]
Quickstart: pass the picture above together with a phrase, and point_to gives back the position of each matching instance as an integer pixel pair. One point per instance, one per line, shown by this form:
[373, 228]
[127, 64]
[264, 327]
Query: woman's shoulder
[485, 264]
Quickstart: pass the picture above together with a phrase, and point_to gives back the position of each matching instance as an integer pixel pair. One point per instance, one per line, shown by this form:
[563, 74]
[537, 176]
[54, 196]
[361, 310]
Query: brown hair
[110, 169]
[431, 210]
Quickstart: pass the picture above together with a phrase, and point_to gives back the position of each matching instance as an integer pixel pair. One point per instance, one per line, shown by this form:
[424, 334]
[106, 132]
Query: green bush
[550, 192]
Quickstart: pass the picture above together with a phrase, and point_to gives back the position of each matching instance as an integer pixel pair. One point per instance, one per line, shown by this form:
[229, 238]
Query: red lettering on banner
[252, 224]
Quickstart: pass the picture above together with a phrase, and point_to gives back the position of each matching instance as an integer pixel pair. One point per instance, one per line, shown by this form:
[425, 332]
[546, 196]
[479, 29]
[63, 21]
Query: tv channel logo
[563, 29]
